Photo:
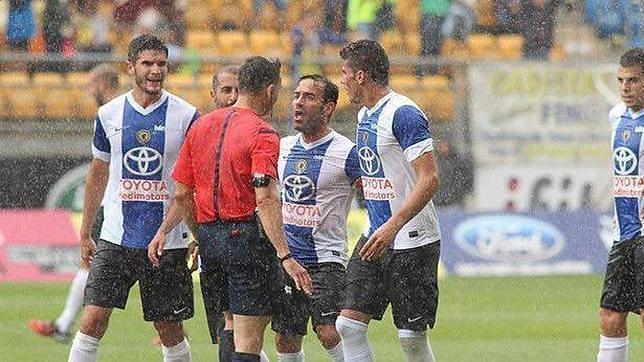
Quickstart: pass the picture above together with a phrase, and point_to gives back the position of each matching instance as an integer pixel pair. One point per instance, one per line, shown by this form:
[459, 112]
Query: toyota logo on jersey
[369, 161]
[625, 161]
[143, 161]
[299, 188]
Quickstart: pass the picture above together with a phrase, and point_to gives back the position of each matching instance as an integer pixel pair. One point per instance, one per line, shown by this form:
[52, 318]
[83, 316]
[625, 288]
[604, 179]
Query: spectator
[56, 21]
[21, 25]
[361, 18]
[460, 20]
[610, 18]
[635, 24]
[508, 15]
[433, 14]
[93, 24]
[306, 46]
[537, 20]
[335, 17]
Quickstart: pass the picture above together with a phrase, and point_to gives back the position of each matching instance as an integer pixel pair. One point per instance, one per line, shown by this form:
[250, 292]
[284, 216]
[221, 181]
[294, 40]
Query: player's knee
[349, 329]
[288, 343]
[170, 333]
[612, 323]
[95, 321]
[328, 335]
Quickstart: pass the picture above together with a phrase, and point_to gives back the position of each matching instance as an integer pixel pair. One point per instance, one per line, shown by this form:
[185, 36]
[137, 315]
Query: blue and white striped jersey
[628, 171]
[141, 146]
[316, 181]
[389, 137]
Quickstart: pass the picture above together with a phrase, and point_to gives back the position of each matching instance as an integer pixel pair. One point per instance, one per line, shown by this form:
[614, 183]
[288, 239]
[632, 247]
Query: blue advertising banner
[506, 244]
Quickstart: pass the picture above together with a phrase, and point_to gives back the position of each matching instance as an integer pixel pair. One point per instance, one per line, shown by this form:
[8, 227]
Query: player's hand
[155, 249]
[300, 276]
[379, 241]
[87, 250]
[193, 256]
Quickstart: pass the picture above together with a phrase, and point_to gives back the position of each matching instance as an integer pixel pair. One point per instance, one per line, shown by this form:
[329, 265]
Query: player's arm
[270, 214]
[171, 219]
[427, 184]
[95, 185]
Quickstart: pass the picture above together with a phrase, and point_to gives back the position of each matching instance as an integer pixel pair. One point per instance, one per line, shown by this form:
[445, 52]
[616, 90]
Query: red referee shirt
[218, 158]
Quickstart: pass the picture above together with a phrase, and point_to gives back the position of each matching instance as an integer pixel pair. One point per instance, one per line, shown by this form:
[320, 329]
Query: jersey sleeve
[352, 165]
[100, 144]
[412, 132]
[265, 151]
[194, 119]
[183, 172]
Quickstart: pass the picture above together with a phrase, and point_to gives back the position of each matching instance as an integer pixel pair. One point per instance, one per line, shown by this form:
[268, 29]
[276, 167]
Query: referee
[226, 170]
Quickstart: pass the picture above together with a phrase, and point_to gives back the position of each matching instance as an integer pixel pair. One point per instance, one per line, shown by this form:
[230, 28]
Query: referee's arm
[270, 214]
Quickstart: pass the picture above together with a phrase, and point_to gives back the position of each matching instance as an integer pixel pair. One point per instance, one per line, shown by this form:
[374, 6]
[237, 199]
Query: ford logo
[508, 238]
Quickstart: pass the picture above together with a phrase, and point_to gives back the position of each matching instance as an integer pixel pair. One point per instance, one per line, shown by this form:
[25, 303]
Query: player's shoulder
[288, 142]
[179, 103]
[616, 113]
[342, 142]
[112, 108]
[402, 106]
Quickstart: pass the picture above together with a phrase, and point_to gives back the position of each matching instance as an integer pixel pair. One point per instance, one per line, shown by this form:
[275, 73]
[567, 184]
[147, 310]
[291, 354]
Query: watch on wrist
[285, 258]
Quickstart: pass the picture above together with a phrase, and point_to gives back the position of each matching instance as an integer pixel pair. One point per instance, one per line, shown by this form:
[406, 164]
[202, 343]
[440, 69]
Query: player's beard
[141, 81]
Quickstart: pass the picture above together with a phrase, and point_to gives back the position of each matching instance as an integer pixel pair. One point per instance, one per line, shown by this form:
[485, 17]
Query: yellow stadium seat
[454, 49]
[24, 103]
[84, 106]
[486, 13]
[14, 79]
[180, 80]
[48, 79]
[200, 40]
[412, 43]
[510, 46]
[434, 82]
[57, 104]
[481, 46]
[403, 82]
[392, 42]
[232, 43]
[266, 42]
[77, 79]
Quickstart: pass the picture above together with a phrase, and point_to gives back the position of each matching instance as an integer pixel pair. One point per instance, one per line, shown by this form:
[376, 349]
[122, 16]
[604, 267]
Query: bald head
[103, 83]
[225, 86]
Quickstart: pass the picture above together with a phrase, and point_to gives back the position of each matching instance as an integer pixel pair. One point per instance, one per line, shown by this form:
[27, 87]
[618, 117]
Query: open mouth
[298, 114]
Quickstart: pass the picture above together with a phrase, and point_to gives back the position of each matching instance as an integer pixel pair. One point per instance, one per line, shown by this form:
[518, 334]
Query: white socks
[415, 345]
[74, 302]
[612, 349]
[336, 353]
[84, 348]
[177, 353]
[354, 340]
[291, 357]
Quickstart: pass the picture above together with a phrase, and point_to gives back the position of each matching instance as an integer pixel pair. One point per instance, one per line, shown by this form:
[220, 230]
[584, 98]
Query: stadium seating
[510, 46]
[268, 43]
[232, 43]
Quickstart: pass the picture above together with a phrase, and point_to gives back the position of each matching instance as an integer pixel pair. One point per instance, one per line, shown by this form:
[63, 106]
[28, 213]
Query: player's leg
[249, 336]
[413, 291]
[60, 329]
[364, 299]
[290, 321]
[167, 300]
[616, 301]
[108, 284]
[325, 306]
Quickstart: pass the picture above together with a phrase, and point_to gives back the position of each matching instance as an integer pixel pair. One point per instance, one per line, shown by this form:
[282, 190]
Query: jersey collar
[314, 144]
[379, 104]
[634, 115]
[151, 107]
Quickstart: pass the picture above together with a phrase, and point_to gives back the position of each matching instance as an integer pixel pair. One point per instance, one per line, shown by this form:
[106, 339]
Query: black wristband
[285, 258]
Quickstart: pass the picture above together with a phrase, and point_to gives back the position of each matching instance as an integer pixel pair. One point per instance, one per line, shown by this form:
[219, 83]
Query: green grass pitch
[479, 319]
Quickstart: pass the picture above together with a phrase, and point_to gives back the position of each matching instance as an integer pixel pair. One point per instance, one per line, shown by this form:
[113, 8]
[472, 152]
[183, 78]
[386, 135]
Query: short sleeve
[183, 172]
[412, 132]
[352, 165]
[265, 151]
[100, 144]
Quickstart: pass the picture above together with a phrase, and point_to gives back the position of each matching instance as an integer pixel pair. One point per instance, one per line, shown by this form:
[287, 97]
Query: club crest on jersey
[626, 135]
[143, 136]
[365, 137]
[300, 166]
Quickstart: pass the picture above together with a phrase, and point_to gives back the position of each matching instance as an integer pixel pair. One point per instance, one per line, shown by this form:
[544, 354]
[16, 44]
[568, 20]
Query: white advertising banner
[544, 126]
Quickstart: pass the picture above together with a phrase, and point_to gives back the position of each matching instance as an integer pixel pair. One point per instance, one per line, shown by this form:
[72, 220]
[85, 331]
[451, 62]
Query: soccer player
[317, 169]
[225, 86]
[397, 262]
[103, 86]
[137, 137]
[227, 170]
[623, 290]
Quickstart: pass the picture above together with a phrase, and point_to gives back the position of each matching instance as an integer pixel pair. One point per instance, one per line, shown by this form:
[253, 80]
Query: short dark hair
[227, 69]
[257, 73]
[370, 57]
[633, 58]
[330, 89]
[145, 42]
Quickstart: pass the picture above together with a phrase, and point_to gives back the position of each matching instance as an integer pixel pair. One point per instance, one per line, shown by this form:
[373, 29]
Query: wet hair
[633, 58]
[330, 89]
[370, 57]
[227, 69]
[145, 42]
[108, 73]
[257, 73]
